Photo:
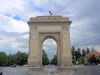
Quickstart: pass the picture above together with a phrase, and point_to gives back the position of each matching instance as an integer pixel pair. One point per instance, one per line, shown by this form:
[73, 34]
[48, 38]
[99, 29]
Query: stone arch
[55, 36]
[50, 47]
[56, 27]
[49, 37]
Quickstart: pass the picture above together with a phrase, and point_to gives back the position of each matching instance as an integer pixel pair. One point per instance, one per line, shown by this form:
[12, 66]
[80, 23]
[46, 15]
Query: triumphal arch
[43, 27]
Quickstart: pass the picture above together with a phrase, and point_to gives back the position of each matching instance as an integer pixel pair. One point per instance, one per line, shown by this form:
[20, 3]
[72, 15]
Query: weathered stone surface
[49, 19]
[43, 27]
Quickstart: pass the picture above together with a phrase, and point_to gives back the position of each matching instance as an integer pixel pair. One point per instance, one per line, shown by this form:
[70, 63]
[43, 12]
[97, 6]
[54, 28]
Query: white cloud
[12, 5]
[18, 25]
[92, 46]
[13, 43]
[13, 25]
[14, 15]
[50, 47]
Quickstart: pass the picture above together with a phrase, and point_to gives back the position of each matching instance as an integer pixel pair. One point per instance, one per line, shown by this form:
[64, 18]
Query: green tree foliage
[54, 60]
[88, 50]
[93, 60]
[73, 52]
[73, 55]
[83, 52]
[8, 60]
[3, 59]
[11, 59]
[81, 60]
[77, 54]
[21, 58]
[45, 60]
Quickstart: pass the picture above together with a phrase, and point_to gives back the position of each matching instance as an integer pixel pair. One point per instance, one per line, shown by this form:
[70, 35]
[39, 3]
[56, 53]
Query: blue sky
[14, 14]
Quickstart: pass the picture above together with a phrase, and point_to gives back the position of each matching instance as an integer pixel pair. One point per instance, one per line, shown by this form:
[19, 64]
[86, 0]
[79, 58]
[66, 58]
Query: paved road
[14, 71]
[87, 70]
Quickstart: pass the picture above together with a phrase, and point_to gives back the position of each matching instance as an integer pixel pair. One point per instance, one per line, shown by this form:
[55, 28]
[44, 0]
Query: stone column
[66, 58]
[34, 59]
[58, 52]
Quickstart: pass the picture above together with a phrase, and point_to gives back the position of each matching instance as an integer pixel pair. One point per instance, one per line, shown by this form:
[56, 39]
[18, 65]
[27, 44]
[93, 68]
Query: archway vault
[43, 27]
[49, 51]
[56, 37]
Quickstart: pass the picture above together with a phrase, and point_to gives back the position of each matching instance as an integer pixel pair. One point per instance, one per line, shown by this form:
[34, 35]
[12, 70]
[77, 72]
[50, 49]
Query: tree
[77, 54]
[21, 58]
[81, 60]
[88, 50]
[11, 59]
[83, 52]
[24, 58]
[45, 60]
[92, 60]
[54, 60]
[73, 54]
[18, 58]
[8, 60]
[3, 59]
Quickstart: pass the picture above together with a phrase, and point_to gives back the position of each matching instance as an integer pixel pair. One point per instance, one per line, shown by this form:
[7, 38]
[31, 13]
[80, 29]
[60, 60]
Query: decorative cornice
[49, 19]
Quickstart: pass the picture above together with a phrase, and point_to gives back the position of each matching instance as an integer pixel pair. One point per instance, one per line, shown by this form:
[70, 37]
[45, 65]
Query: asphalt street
[87, 70]
[14, 71]
[84, 70]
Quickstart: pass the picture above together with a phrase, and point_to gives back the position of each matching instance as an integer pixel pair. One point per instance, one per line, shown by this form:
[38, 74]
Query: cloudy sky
[50, 47]
[14, 14]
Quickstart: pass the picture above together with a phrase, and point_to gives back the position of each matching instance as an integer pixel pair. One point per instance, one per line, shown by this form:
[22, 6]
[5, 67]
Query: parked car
[25, 66]
[14, 65]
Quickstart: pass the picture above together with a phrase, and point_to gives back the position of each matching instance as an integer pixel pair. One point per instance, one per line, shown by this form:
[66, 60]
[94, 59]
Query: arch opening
[49, 53]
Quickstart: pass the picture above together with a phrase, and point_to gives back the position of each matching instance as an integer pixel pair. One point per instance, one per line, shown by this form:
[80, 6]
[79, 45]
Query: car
[14, 65]
[25, 65]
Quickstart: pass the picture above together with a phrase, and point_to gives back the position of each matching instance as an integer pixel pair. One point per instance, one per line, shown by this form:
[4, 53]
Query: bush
[92, 60]
[81, 60]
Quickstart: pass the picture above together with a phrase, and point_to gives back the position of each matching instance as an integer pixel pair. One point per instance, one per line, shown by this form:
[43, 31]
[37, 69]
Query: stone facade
[43, 27]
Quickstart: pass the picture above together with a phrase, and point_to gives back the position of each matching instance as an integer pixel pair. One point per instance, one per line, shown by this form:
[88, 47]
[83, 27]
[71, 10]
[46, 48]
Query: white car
[24, 65]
